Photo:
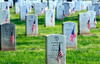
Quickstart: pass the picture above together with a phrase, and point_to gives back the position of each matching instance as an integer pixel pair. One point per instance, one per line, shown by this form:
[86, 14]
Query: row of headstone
[86, 21]
[18, 5]
[56, 44]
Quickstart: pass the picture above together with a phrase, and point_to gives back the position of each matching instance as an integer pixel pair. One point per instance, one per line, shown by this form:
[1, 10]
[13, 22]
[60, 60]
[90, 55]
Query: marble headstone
[96, 8]
[66, 8]
[51, 5]
[44, 6]
[23, 12]
[5, 5]
[7, 37]
[60, 14]
[38, 8]
[78, 5]
[49, 18]
[28, 6]
[31, 25]
[92, 15]
[17, 8]
[90, 8]
[53, 43]
[4, 16]
[10, 3]
[68, 28]
[84, 23]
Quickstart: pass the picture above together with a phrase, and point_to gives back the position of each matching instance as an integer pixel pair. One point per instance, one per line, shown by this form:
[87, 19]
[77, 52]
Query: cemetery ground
[31, 49]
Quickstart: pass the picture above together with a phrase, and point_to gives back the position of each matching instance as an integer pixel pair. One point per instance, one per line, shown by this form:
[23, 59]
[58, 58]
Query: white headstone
[54, 45]
[17, 8]
[78, 5]
[70, 32]
[49, 18]
[84, 23]
[23, 12]
[60, 12]
[51, 5]
[4, 16]
[92, 15]
[97, 8]
[5, 6]
[66, 8]
[28, 6]
[38, 8]
[31, 25]
[90, 8]
[10, 3]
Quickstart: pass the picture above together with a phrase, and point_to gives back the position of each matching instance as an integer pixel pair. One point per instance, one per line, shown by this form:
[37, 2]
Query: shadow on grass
[86, 40]
[41, 21]
[17, 21]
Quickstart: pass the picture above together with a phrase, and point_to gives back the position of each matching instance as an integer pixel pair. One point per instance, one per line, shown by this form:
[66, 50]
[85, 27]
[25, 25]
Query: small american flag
[53, 7]
[95, 21]
[82, 6]
[73, 10]
[12, 37]
[34, 26]
[63, 13]
[29, 8]
[72, 36]
[11, 4]
[52, 18]
[26, 12]
[99, 10]
[7, 19]
[69, 10]
[88, 24]
[6, 7]
[60, 54]
[42, 11]
[46, 8]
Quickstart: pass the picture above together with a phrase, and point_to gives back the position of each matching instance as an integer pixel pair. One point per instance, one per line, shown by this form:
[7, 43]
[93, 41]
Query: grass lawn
[31, 49]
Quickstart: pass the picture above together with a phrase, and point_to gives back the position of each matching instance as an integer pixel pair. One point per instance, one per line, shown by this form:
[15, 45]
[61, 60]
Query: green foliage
[31, 49]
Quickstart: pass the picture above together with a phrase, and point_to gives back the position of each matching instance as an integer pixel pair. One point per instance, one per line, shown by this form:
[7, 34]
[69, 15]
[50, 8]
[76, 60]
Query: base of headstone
[59, 19]
[71, 47]
[31, 35]
[22, 19]
[8, 49]
[84, 34]
[49, 26]
[93, 28]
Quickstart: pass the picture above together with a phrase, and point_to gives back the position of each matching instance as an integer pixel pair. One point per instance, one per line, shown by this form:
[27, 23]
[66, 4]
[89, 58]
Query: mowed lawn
[31, 49]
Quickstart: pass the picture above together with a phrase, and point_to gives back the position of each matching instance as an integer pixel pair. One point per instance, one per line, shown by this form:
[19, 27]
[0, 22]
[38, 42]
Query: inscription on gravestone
[31, 25]
[7, 37]
[84, 23]
[70, 32]
[55, 49]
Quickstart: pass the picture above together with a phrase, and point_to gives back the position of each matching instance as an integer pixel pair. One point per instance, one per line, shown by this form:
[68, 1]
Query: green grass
[31, 49]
